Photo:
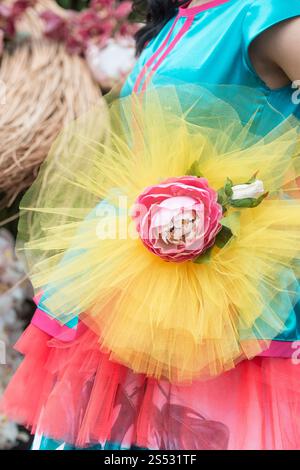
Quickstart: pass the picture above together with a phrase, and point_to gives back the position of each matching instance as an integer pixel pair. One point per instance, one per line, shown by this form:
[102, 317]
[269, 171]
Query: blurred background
[57, 58]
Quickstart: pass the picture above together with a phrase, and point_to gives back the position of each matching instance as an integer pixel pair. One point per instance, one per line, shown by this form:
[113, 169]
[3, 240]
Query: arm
[275, 54]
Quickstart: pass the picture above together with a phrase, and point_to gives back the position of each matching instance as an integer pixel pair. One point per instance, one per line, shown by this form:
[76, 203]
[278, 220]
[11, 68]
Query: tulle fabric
[72, 392]
[84, 254]
[134, 301]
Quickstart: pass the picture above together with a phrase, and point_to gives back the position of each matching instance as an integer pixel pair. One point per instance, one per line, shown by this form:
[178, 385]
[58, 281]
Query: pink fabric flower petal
[179, 218]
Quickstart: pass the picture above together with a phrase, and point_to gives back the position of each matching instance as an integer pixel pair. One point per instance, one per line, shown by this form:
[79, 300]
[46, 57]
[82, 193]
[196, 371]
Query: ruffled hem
[74, 393]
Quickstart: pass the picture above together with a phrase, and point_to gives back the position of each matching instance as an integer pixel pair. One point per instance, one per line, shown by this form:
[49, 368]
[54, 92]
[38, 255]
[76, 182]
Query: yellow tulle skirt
[168, 320]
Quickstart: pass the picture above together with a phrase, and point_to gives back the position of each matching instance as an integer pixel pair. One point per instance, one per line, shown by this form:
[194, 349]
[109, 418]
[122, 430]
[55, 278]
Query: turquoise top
[208, 45]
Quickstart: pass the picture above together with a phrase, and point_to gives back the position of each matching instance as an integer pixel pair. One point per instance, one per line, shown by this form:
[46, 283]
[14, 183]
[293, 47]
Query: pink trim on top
[283, 349]
[51, 326]
[186, 11]
[41, 320]
[150, 66]
[171, 46]
[151, 60]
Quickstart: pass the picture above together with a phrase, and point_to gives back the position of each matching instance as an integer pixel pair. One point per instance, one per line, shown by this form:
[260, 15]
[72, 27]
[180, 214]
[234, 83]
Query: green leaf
[260, 199]
[223, 237]
[242, 203]
[253, 178]
[204, 257]
[249, 202]
[195, 170]
[228, 187]
[232, 222]
[222, 198]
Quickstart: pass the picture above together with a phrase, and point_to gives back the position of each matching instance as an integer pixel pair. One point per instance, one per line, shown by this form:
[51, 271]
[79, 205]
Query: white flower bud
[251, 190]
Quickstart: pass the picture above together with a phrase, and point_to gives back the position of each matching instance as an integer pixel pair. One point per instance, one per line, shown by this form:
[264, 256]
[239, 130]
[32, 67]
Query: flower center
[181, 229]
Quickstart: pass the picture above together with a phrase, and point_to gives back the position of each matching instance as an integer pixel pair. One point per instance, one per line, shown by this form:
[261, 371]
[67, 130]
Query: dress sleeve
[262, 15]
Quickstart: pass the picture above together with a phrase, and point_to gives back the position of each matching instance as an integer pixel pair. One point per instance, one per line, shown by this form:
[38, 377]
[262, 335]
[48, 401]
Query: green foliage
[249, 202]
[204, 257]
[223, 237]
[74, 4]
[195, 170]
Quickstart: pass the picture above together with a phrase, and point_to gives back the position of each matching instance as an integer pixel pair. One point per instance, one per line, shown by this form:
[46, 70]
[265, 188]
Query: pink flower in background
[87, 28]
[95, 26]
[9, 15]
[19, 7]
[74, 45]
[55, 26]
[179, 218]
[5, 10]
[100, 4]
[123, 10]
[7, 21]
[127, 29]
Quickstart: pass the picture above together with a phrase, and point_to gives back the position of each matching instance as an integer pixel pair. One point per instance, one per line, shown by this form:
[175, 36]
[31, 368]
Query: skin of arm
[275, 54]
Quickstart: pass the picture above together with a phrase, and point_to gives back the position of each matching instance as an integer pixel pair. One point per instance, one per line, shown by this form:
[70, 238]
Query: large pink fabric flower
[179, 218]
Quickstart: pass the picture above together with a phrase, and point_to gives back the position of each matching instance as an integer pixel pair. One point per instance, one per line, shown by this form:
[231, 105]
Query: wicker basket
[45, 88]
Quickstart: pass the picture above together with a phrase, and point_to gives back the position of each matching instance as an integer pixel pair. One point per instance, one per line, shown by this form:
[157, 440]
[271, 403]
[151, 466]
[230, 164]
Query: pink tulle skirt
[74, 393]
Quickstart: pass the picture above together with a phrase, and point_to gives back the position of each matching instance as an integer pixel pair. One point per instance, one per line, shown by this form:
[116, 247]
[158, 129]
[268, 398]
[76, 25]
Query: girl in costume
[172, 325]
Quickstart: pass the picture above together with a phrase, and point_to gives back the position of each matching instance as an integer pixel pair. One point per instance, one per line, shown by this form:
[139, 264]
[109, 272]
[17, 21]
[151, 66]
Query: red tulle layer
[73, 392]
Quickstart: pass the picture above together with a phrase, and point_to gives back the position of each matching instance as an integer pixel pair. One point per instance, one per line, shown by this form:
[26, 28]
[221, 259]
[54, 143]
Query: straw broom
[43, 88]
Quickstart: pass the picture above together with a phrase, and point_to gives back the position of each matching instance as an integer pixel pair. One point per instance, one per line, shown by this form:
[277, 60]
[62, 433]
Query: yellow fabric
[172, 320]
